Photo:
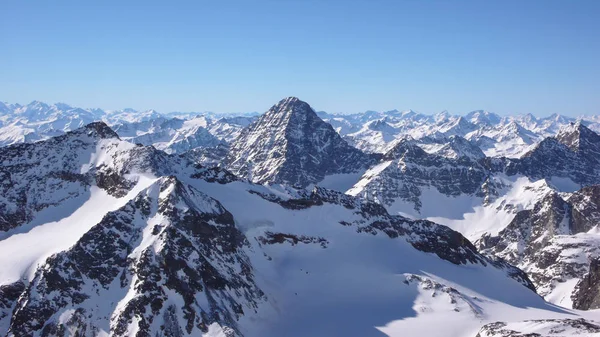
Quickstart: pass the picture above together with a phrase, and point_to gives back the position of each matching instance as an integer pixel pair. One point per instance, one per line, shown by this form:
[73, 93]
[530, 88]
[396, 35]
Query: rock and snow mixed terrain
[525, 210]
[290, 144]
[371, 131]
[496, 136]
[173, 132]
[191, 225]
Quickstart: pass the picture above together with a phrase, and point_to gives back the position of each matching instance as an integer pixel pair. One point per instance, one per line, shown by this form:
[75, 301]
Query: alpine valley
[297, 223]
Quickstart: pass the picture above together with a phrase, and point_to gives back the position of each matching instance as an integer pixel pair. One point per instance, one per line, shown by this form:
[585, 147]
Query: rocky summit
[290, 144]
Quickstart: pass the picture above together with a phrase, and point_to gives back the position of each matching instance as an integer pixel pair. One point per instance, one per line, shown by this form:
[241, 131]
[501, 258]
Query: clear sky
[514, 56]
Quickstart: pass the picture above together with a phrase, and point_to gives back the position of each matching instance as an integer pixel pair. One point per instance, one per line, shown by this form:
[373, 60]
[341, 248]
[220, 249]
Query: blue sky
[508, 57]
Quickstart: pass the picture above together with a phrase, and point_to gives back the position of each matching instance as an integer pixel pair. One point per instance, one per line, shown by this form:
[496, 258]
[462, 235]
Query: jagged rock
[193, 255]
[290, 144]
[407, 169]
[587, 292]
[550, 242]
[574, 153]
[540, 328]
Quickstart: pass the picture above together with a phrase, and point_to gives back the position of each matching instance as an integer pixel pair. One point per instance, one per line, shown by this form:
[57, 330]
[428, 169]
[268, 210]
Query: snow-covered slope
[509, 140]
[172, 135]
[375, 136]
[129, 232]
[555, 242]
[518, 209]
[38, 120]
[540, 328]
[175, 135]
[155, 244]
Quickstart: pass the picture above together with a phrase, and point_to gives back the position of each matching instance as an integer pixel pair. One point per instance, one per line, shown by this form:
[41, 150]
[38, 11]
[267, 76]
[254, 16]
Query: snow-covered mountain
[172, 132]
[125, 239]
[518, 209]
[557, 243]
[170, 135]
[407, 170]
[509, 136]
[290, 144]
[37, 120]
[197, 225]
[455, 167]
[510, 140]
[371, 131]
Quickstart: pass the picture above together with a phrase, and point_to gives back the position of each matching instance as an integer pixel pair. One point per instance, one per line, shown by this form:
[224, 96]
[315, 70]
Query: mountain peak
[441, 117]
[576, 135]
[37, 103]
[291, 99]
[483, 117]
[291, 144]
[289, 106]
[101, 129]
[379, 125]
[62, 106]
[405, 146]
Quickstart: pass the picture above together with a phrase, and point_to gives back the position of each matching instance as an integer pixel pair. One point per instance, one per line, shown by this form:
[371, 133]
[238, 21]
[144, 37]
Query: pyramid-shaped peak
[574, 128]
[576, 134]
[379, 124]
[290, 144]
[515, 127]
[405, 146]
[290, 105]
[291, 100]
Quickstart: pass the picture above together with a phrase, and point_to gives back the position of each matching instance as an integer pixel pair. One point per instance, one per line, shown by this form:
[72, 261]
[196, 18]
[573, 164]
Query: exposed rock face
[290, 144]
[457, 169]
[453, 147]
[585, 213]
[173, 250]
[172, 260]
[48, 173]
[552, 244]
[209, 156]
[9, 294]
[549, 239]
[32, 174]
[407, 169]
[587, 292]
[574, 153]
[540, 328]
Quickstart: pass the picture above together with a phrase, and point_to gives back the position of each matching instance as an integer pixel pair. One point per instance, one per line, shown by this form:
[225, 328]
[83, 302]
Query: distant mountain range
[371, 131]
